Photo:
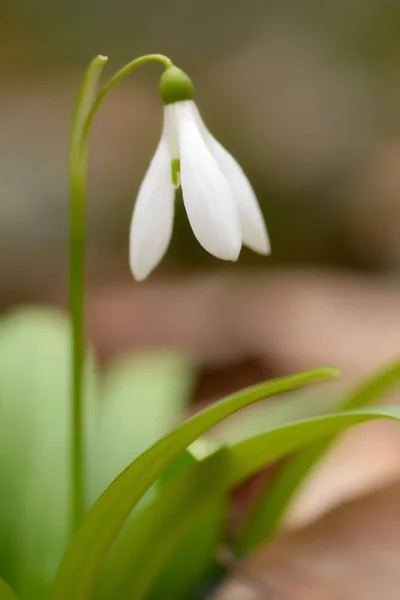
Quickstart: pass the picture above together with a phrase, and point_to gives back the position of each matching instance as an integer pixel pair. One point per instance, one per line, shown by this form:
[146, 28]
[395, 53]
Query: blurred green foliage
[126, 409]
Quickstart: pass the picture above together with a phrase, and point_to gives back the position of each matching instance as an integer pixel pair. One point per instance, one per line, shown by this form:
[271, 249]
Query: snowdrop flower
[220, 203]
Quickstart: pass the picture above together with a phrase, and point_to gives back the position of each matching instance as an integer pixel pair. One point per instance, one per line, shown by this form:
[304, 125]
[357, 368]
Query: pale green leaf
[35, 446]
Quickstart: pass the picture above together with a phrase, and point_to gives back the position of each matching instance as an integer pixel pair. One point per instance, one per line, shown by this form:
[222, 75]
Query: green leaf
[187, 498]
[143, 397]
[293, 406]
[193, 555]
[191, 561]
[34, 446]
[273, 501]
[6, 592]
[91, 543]
[119, 574]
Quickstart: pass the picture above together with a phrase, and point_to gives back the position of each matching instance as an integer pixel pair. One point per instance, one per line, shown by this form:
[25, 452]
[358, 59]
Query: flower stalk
[87, 104]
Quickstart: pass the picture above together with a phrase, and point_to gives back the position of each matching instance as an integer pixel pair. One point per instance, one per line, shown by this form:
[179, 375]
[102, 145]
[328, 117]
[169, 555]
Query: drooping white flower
[220, 203]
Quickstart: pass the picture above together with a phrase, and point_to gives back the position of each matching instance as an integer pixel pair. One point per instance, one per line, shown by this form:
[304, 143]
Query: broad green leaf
[35, 446]
[6, 592]
[273, 501]
[142, 398]
[188, 497]
[91, 543]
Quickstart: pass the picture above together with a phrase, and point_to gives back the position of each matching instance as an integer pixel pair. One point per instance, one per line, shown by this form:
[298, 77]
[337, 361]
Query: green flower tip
[175, 86]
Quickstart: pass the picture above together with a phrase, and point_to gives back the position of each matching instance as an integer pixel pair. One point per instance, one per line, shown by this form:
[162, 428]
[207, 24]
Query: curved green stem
[128, 68]
[78, 169]
[86, 107]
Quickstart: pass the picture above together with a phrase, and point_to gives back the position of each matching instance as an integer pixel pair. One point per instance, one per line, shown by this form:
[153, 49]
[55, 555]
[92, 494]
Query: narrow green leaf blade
[90, 545]
[119, 574]
[273, 501]
[187, 498]
[6, 592]
[191, 557]
[294, 406]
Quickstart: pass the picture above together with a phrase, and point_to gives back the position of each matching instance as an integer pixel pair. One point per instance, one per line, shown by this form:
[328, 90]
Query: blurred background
[306, 95]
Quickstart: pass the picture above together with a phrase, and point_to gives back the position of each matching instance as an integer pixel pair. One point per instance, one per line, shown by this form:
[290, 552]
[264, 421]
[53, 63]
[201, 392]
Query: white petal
[208, 200]
[153, 215]
[254, 232]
